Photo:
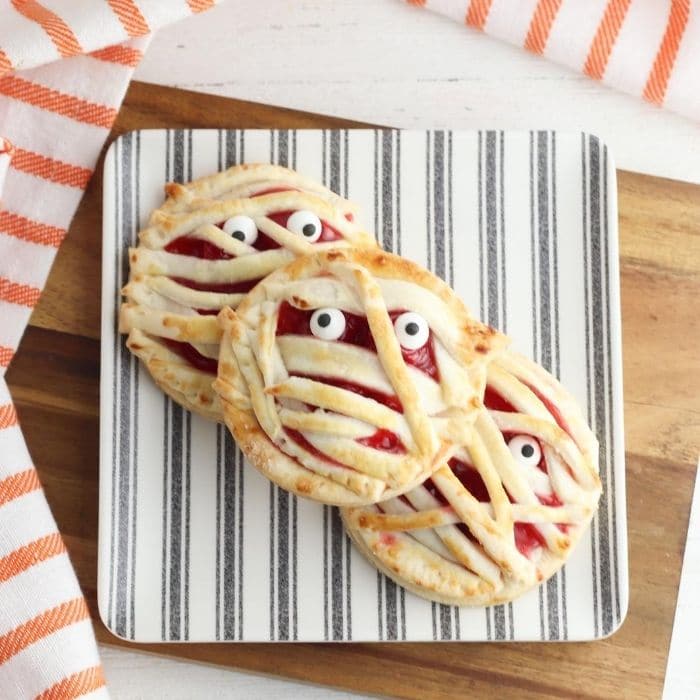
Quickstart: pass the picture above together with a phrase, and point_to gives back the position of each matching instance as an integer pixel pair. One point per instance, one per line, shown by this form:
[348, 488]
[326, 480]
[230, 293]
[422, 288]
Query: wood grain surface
[54, 380]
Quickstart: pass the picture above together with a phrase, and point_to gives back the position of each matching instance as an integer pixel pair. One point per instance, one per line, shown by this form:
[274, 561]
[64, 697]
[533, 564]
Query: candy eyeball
[305, 224]
[327, 323]
[412, 330]
[242, 228]
[526, 450]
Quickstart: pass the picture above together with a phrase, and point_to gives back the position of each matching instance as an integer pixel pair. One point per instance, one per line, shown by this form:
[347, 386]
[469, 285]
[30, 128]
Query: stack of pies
[356, 378]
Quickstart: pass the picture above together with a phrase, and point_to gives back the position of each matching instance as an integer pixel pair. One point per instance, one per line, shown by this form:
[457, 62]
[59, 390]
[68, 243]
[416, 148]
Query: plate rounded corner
[603, 145]
[617, 625]
[104, 618]
[109, 153]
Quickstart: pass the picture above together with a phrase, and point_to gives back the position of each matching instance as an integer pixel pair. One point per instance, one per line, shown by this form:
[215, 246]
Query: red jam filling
[294, 321]
[421, 358]
[273, 190]
[387, 539]
[388, 400]
[192, 355]
[384, 440]
[495, 402]
[328, 233]
[196, 247]
[527, 536]
[263, 242]
[220, 288]
[554, 411]
[300, 440]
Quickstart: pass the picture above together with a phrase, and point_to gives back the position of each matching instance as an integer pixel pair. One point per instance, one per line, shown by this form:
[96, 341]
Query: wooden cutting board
[55, 382]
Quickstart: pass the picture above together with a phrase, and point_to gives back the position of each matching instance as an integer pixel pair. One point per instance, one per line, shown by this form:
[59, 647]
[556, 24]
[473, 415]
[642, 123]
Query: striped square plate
[195, 545]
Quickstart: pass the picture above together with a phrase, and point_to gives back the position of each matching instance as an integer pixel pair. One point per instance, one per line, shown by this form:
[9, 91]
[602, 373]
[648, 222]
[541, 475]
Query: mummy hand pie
[350, 375]
[505, 512]
[205, 248]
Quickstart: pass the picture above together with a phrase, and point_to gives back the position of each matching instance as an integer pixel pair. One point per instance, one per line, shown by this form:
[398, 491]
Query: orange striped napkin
[64, 68]
[648, 48]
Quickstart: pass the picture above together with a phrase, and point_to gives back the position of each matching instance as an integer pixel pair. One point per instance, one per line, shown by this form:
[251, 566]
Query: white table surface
[384, 62]
[131, 675]
[683, 670]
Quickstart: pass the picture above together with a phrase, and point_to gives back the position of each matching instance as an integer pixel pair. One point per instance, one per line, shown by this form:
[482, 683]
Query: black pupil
[527, 451]
[239, 235]
[412, 328]
[309, 230]
[324, 320]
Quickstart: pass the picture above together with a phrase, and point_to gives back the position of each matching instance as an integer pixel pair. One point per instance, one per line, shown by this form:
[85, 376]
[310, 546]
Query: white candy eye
[306, 224]
[412, 330]
[526, 450]
[242, 228]
[328, 323]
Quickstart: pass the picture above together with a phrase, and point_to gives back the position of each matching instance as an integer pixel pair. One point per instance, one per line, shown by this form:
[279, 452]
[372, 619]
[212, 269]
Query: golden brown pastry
[506, 511]
[350, 375]
[205, 248]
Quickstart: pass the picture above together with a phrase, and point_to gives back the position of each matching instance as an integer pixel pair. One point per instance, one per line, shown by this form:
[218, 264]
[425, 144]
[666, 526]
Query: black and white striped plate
[194, 545]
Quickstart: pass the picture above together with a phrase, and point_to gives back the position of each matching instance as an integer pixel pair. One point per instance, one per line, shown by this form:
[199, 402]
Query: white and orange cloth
[648, 48]
[57, 114]
[47, 648]
[64, 68]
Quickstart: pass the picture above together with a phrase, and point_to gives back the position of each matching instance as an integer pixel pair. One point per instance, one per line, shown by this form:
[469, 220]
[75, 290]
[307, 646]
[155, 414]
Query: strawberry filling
[294, 321]
[300, 440]
[554, 411]
[328, 233]
[273, 190]
[381, 439]
[218, 287]
[384, 440]
[388, 400]
[195, 247]
[495, 402]
[192, 355]
[527, 536]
